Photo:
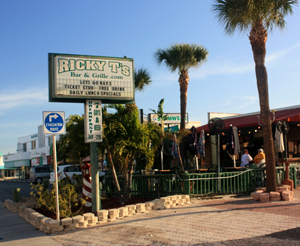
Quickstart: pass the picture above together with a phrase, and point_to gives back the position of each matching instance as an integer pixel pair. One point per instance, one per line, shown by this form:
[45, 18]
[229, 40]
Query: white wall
[219, 115]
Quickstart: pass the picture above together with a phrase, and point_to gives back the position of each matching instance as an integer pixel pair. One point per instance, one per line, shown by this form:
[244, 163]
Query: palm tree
[124, 138]
[133, 139]
[141, 79]
[257, 16]
[162, 117]
[182, 57]
[160, 113]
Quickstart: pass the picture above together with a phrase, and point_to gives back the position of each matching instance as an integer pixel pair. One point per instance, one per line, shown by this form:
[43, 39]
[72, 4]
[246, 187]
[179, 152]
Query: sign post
[93, 135]
[54, 123]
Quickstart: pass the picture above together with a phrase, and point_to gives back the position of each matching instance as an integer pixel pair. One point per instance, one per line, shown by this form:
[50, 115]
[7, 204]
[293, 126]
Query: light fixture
[207, 134]
[249, 132]
[255, 130]
[258, 127]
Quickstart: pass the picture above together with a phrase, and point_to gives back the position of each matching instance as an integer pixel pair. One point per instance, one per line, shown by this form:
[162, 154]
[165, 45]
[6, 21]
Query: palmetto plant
[182, 57]
[258, 16]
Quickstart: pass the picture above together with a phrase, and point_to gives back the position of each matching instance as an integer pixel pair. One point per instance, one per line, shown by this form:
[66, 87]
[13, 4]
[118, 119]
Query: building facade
[32, 150]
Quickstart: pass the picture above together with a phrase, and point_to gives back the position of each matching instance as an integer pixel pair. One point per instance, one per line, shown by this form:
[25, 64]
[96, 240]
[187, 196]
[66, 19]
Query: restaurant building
[250, 137]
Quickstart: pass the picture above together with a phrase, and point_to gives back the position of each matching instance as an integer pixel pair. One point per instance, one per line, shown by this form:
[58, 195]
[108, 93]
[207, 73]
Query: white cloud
[281, 53]
[31, 96]
[230, 67]
[217, 67]
[237, 103]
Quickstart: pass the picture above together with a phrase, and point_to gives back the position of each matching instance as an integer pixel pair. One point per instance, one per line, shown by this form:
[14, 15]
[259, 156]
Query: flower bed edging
[48, 225]
[283, 193]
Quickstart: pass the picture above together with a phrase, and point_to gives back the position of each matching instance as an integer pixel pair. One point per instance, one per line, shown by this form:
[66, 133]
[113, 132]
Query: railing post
[248, 182]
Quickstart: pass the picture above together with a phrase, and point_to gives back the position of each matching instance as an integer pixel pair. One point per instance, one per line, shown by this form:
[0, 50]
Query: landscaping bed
[106, 203]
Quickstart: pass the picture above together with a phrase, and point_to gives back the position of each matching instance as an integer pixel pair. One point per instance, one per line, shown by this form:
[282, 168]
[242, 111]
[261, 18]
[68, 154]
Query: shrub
[69, 203]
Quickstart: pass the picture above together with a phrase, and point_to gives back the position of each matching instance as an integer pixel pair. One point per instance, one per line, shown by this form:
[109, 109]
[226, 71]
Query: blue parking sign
[54, 122]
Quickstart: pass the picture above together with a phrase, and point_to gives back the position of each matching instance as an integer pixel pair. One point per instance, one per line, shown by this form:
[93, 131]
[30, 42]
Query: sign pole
[95, 177]
[55, 173]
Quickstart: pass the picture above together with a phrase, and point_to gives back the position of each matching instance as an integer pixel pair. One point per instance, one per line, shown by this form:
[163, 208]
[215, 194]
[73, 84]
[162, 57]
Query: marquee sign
[77, 78]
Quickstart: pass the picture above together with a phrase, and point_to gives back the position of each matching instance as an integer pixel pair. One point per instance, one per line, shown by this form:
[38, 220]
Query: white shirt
[245, 160]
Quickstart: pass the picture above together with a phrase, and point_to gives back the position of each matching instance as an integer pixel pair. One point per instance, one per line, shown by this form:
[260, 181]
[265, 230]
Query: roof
[289, 114]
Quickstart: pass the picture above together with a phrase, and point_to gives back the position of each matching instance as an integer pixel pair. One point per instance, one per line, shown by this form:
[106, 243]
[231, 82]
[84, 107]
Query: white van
[65, 170]
[68, 170]
[39, 173]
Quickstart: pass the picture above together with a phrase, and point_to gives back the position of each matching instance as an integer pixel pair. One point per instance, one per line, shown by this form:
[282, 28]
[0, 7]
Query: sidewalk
[14, 230]
[226, 221]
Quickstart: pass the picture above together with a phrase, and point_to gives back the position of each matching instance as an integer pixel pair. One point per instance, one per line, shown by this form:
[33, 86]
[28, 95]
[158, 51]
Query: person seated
[260, 158]
[246, 158]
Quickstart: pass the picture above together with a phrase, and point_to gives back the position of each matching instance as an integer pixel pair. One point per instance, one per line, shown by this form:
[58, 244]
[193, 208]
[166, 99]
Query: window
[33, 144]
[24, 147]
[50, 141]
[72, 169]
[42, 170]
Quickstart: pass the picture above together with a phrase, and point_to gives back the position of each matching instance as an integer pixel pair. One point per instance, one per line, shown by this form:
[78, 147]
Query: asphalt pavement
[6, 187]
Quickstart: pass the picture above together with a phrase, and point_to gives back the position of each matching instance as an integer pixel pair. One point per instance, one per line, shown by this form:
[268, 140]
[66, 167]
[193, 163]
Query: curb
[49, 226]
[15, 181]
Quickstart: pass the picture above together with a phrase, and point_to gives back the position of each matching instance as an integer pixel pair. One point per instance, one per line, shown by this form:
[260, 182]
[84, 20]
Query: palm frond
[182, 57]
[142, 78]
[242, 15]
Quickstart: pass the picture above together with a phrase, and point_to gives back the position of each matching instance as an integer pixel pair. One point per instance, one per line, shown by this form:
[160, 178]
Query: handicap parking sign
[54, 122]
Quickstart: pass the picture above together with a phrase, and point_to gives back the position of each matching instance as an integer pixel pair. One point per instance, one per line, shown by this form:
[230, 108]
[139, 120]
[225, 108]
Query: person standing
[246, 158]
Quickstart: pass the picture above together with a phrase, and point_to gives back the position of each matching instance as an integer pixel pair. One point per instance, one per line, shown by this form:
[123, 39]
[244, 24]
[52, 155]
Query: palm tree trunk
[130, 170]
[180, 160]
[258, 38]
[183, 83]
[113, 170]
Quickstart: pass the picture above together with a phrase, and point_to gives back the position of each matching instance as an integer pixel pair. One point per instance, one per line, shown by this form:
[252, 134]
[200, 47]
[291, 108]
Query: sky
[225, 83]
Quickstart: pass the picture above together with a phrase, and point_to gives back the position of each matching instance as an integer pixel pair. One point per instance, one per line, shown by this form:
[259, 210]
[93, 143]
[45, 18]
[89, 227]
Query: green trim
[8, 168]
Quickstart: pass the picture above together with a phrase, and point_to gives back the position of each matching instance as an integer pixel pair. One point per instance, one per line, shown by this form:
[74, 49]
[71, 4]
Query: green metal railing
[146, 186]
[158, 185]
[231, 182]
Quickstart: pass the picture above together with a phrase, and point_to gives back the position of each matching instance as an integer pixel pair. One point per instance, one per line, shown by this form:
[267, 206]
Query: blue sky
[136, 29]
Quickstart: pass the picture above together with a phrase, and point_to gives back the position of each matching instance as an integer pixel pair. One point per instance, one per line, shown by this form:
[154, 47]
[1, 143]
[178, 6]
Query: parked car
[64, 171]
[39, 173]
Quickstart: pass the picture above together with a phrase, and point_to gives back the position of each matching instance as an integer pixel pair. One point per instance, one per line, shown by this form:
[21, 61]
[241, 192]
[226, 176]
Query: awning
[290, 114]
[172, 128]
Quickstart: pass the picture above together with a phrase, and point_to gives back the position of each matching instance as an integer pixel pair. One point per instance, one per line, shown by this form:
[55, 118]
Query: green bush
[69, 203]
